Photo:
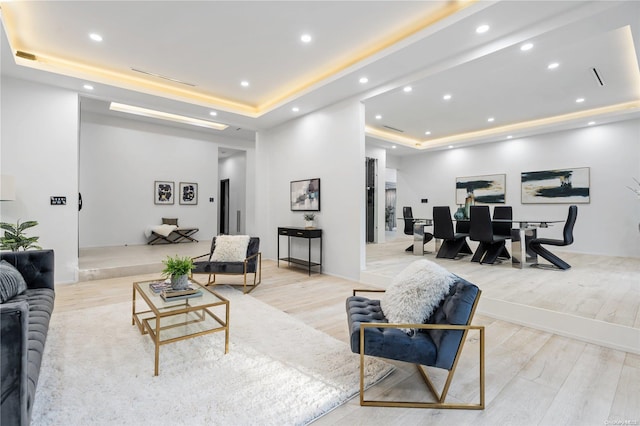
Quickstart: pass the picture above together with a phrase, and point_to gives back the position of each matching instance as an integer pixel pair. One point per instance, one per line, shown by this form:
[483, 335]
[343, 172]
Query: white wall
[234, 168]
[39, 147]
[326, 144]
[119, 161]
[607, 225]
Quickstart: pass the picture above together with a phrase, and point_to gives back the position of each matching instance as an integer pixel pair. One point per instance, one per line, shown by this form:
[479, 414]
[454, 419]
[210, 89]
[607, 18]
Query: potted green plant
[14, 238]
[178, 270]
[308, 217]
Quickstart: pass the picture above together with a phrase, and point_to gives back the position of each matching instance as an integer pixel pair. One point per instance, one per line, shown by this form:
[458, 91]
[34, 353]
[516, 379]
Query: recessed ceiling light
[450, 146]
[244, 83]
[482, 29]
[446, 97]
[428, 132]
[553, 65]
[295, 109]
[490, 119]
[95, 37]
[393, 147]
[509, 137]
[407, 89]
[305, 38]
[213, 113]
[378, 117]
[364, 80]
[88, 87]
[579, 100]
[526, 46]
[591, 123]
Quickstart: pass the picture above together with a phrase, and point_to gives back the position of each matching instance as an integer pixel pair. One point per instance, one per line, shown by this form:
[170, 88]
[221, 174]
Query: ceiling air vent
[164, 77]
[393, 128]
[597, 76]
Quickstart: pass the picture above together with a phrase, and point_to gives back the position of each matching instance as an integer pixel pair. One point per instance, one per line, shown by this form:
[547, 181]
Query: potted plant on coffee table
[178, 270]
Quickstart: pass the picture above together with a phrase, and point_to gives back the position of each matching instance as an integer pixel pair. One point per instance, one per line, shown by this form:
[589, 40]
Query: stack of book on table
[169, 295]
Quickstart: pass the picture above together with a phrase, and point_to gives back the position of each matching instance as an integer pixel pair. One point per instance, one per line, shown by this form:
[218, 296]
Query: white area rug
[98, 370]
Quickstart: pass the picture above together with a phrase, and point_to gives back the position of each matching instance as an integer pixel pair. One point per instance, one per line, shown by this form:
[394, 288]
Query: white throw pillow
[416, 292]
[230, 248]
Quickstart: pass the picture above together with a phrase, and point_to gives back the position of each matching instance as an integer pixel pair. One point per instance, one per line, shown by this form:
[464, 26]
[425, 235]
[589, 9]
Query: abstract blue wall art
[563, 186]
[485, 189]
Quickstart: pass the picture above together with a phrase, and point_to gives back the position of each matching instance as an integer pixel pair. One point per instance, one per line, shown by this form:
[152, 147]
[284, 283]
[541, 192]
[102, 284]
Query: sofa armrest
[14, 319]
[36, 266]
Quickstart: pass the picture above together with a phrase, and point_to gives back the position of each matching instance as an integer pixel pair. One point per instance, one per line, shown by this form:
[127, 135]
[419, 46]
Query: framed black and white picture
[562, 186]
[188, 193]
[485, 189]
[163, 192]
[305, 195]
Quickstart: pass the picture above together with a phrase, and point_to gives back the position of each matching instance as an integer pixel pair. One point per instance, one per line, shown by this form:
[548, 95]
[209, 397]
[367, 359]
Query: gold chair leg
[440, 404]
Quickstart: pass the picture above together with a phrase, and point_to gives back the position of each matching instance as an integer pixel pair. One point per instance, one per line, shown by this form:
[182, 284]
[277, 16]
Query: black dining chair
[503, 226]
[452, 243]
[490, 245]
[535, 244]
[407, 215]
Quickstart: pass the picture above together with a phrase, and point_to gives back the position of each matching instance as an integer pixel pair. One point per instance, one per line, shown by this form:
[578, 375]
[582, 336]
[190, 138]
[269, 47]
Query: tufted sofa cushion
[436, 348]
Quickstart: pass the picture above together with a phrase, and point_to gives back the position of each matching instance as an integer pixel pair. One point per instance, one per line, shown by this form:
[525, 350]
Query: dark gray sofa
[24, 323]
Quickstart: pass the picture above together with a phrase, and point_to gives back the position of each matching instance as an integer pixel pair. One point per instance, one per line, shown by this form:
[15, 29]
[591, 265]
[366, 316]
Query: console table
[309, 234]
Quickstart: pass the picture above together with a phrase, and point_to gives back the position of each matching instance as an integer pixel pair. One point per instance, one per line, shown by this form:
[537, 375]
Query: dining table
[526, 230]
[418, 234]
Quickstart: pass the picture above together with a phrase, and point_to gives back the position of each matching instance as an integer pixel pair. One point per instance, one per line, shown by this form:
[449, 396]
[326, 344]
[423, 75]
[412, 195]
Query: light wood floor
[532, 377]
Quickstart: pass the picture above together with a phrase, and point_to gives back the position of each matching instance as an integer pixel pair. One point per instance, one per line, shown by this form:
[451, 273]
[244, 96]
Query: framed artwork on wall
[562, 186]
[305, 195]
[163, 191]
[484, 189]
[188, 193]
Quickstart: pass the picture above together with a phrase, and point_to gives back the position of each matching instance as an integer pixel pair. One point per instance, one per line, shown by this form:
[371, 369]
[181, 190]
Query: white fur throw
[164, 230]
[416, 292]
[230, 248]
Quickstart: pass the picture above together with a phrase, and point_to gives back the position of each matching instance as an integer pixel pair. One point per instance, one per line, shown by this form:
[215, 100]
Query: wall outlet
[211, 199]
[424, 200]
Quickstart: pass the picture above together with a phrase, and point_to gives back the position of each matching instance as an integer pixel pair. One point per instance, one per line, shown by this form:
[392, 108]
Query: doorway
[224, 207]
[372, 175]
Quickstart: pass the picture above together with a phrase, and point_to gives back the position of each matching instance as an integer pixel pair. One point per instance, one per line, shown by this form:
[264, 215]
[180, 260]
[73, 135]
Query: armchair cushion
[415, 293]
[230, 248]
[11, 282]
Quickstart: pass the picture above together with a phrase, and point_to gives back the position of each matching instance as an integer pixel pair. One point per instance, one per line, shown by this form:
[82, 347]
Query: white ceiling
[214, 45]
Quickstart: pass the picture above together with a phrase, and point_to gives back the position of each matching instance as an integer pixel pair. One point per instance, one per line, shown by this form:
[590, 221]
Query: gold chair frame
[257, 276]
[440, 397]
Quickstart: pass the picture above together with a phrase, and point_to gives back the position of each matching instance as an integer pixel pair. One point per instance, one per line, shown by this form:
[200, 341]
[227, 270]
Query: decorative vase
[459, 214]
[179, 282]
[308, 224]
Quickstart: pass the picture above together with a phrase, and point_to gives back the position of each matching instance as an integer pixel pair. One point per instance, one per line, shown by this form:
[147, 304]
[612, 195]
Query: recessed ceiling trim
[623, 108]
[161, 115]
[86, 71]
[633, 106]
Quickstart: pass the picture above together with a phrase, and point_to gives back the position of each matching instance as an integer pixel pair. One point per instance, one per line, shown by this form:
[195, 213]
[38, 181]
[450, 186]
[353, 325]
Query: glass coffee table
[171, 321]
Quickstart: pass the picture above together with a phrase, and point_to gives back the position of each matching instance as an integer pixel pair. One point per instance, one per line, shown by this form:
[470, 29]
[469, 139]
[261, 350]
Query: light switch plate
[58, 200]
